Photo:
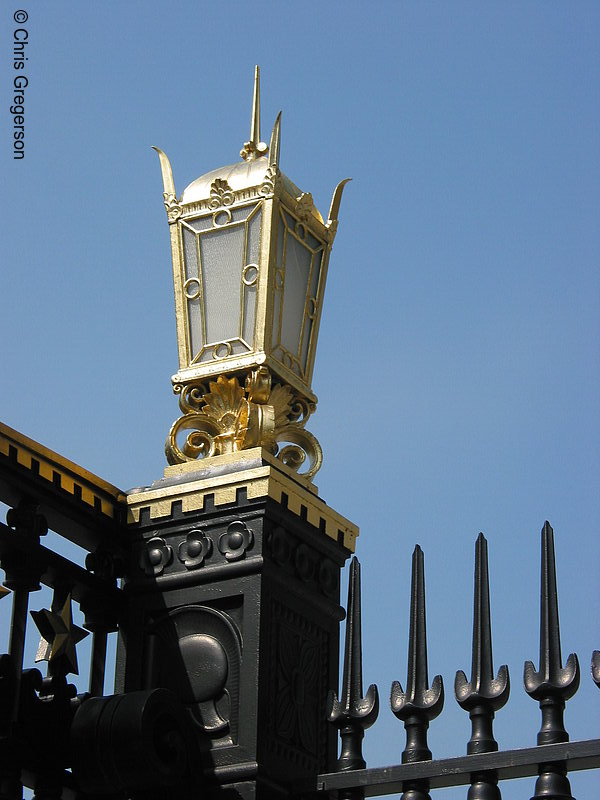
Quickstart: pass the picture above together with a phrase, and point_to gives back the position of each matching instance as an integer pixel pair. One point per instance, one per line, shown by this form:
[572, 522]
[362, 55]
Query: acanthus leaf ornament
[221, 194]
[228, 417]
[270, 179]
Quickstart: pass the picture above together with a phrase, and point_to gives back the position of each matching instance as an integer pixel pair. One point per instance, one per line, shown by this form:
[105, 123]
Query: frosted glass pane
[239, 214]
[253, 239]
[252, 253]
[193, 290]
[297, 267]
[249, 314]
[190, 254]
[201, 224]
[222, 253]
[281, 235]
[311, 241]
[305, 343]
[311, 307]
[196, 338]
[316, 274]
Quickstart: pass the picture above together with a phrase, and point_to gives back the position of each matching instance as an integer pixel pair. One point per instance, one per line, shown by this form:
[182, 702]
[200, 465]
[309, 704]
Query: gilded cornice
[254, 471]
[60, 473]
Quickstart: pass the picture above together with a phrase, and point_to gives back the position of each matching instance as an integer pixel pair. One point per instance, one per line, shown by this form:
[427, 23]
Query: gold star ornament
[59, 637]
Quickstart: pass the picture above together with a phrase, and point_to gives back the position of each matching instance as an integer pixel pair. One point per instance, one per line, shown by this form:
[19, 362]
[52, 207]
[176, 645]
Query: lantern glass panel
[222, 258]
[297, 271]
[221, 253]
[250, 279]
[311, 308]
[297, 278]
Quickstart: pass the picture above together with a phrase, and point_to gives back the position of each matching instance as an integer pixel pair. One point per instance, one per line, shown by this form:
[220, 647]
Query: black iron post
[234, 607]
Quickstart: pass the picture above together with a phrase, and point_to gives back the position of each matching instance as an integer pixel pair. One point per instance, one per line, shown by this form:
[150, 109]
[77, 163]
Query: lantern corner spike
[250, 253]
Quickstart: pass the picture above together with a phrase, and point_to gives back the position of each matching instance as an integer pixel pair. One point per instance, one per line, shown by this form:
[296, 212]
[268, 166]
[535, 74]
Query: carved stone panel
[299, 667]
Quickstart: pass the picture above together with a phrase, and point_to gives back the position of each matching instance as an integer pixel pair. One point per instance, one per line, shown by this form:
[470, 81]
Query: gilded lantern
[250, 253]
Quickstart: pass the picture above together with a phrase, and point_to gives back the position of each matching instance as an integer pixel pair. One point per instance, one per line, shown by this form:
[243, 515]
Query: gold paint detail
[221, 194]
[69, 477]
[271, 480]
[226, 418]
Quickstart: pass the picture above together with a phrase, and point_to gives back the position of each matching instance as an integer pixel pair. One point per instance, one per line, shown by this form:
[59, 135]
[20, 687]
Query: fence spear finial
[553, 684]
[552, 680]
[419, 704]
[484, 694]
[354, 713]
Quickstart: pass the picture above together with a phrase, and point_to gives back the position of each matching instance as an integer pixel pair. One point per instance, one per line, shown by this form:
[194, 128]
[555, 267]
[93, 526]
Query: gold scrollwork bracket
[225, 417]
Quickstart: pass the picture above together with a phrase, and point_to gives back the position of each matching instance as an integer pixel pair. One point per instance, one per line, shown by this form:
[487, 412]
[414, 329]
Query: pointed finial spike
[417, 680]
[166, 171]
[482, 637]
[254, 148]
[553, 684]
[483, 695]
[550, 650]
[334, 208]
[255, 120]
[419, 704]
[275, 143]
[172, 206]
[354, 713]
[353, 652]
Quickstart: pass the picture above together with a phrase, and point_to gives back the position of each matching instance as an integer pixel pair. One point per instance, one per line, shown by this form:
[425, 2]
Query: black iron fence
[47, 728]
[481, 697]
[37, 712]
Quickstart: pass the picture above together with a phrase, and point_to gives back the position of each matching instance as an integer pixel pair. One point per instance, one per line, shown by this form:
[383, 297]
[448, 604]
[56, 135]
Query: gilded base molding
[226, 416]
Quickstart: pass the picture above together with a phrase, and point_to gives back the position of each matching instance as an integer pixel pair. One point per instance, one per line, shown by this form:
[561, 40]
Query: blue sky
[458, 365]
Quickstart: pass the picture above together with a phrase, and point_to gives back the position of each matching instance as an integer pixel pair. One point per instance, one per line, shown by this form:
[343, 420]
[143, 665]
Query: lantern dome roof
[240, 176]
[253, 170]
[257, 175]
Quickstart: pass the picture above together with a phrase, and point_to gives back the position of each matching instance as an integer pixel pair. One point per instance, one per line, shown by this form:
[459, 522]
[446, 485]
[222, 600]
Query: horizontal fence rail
[447, 772]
